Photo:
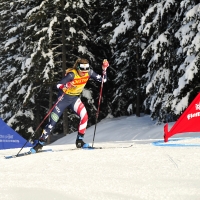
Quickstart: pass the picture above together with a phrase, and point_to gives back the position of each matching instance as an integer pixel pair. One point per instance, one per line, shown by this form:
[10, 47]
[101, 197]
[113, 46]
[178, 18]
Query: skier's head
[82, 66]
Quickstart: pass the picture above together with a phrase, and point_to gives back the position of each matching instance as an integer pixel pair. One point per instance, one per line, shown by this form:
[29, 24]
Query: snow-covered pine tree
[126, 46]
[170, 38]
[100, 29]
[31, 56]
[42, 47]
[41, 22]
[4, 9]
[156, 27]
[122, 45]
[11, 65]
[188, 53]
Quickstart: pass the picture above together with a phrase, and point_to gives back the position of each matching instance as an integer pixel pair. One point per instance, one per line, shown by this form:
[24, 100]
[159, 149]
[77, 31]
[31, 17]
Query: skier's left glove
[105, 65]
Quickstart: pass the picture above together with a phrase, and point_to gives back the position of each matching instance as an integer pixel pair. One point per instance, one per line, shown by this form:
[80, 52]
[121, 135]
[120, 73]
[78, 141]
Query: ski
[59, 150]
[73, 149]
[26, 153]
[92, 148]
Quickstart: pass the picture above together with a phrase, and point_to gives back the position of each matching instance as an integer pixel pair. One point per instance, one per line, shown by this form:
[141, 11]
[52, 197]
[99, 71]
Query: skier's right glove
[65, 87]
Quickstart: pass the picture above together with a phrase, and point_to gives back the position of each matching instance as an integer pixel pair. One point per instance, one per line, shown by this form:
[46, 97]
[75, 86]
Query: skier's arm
[66, 81]
[98, 77]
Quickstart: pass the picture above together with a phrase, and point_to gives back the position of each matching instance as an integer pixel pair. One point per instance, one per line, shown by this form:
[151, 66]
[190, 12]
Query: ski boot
[38, 144]
[80, 143]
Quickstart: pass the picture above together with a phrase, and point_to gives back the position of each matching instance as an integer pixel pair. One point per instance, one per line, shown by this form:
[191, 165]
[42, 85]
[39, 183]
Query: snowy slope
[141, 172]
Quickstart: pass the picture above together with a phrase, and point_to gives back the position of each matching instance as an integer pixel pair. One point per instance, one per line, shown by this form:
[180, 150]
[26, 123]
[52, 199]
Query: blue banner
[10, 139]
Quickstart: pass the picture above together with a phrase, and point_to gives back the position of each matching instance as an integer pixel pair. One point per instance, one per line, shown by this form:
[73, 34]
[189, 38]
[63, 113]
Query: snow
[10, 41]
[88, 94]
[141, 172]
[82, 49]
[32, 11]
[122, 27]
[50, 31]
[72, 30]
[109, 24]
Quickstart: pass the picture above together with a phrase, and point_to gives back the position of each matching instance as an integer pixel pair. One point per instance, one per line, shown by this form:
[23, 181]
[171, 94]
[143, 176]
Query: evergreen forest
[153, 47]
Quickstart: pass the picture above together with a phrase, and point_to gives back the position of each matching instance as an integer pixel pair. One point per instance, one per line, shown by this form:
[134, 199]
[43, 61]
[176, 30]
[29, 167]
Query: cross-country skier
[72, 85]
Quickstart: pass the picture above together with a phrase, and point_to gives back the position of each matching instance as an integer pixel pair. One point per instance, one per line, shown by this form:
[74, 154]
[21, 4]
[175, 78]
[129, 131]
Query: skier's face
[82, 73]
[83, 69]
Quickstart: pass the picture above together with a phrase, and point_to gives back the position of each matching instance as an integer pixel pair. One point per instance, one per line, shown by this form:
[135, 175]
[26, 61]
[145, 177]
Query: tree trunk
[65, 116]
[50, 106]
[38, 120]
[138, 84]
[138, 71]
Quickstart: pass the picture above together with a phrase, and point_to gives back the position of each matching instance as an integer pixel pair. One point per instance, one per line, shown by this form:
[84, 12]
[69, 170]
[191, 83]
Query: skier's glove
[69, 85]
[66, 86]
[105, 65]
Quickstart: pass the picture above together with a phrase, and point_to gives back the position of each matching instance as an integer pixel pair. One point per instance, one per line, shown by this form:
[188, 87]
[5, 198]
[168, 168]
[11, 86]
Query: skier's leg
[81, 111]
[53, 119]
[79, 108]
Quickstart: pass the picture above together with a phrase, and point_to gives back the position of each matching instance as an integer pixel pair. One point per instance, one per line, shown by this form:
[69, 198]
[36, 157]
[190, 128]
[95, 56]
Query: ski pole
[41, 122]
[97, 114]
[105, 65]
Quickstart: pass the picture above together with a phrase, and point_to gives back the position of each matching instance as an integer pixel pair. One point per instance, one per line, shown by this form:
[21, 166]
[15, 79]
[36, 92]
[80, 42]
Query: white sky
[142, 172]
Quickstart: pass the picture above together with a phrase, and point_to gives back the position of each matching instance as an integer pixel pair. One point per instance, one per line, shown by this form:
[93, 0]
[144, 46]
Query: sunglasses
[84, 67]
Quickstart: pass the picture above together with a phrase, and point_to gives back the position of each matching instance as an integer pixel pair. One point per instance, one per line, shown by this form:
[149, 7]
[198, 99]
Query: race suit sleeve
[96, 76]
